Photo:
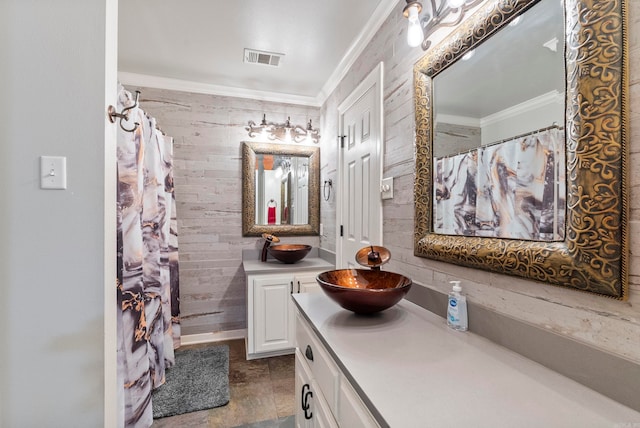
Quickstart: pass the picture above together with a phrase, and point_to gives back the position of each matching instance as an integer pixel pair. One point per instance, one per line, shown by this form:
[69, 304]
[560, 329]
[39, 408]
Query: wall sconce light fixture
[438, 14]
[411, 11]
[284, 132]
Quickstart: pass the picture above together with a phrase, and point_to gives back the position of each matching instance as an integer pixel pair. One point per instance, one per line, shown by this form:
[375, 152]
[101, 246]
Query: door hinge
[341, 140]
[341, 230]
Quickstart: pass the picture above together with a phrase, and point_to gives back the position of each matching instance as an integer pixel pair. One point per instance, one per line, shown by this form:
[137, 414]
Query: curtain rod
[526, 134]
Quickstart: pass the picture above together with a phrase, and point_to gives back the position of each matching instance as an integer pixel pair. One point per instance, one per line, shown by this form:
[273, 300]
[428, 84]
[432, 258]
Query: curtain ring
[327, 194]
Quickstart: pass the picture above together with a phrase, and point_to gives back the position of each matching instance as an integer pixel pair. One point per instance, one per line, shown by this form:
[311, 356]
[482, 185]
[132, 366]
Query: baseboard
[218, 336]
[327, 255]
[271, 354]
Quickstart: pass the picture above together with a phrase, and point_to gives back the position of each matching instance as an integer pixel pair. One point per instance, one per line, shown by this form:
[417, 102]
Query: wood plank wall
[208, 131]
[599, 322]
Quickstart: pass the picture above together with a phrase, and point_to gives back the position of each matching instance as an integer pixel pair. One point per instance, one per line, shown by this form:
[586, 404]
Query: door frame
[374, 79]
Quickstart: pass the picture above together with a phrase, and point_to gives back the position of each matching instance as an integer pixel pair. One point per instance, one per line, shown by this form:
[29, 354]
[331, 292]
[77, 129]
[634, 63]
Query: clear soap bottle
[457, 308]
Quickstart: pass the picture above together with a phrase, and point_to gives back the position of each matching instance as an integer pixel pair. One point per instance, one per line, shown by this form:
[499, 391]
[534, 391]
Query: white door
[360, 207]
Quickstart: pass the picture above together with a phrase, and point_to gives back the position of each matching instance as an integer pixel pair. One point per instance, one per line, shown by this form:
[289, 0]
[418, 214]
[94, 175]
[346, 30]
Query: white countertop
[273, 266]
[416, 372]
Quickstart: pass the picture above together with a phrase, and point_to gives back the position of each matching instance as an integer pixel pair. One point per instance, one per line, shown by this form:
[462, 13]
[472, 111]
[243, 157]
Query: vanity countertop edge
[274, 266]
[411, 370]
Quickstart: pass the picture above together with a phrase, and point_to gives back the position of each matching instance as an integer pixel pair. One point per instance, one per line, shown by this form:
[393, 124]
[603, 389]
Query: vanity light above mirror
[285, 132]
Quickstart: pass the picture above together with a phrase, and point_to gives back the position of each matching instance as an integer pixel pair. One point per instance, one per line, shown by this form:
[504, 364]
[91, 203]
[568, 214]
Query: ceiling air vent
[253, 56]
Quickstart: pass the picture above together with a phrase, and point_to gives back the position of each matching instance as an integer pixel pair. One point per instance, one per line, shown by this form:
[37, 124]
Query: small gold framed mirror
[280, 189]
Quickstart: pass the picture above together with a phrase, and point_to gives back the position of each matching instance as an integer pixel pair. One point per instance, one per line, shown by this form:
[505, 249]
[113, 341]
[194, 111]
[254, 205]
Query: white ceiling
[203, 41]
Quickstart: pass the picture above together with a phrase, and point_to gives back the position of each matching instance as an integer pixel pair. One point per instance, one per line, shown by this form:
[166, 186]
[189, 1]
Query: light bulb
[414, 32]
[454, 4]
[309, 138]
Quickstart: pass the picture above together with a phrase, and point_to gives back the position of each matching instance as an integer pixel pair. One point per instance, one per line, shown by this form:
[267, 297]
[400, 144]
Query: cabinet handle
[306, 395]
[298, 287]
[291, 287]
[308, 353]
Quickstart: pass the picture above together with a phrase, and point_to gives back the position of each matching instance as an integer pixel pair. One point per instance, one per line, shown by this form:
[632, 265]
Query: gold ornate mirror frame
[249, 226]
[594, 255]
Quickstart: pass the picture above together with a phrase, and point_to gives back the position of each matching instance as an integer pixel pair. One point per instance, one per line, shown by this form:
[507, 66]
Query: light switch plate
[386, 188]
[53, 172]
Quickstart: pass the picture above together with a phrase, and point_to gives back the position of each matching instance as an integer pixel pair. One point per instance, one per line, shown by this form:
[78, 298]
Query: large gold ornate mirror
[582, 240]
[280, 189]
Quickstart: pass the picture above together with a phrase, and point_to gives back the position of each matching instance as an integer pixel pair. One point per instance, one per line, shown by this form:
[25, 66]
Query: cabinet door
[312, 410]
[353, 413]
[272, 318]
[323, 368]
[322, 417]
[306, 282]
[303, 401]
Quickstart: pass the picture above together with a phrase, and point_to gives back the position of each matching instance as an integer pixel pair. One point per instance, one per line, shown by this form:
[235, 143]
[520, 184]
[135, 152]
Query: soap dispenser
[457, 308]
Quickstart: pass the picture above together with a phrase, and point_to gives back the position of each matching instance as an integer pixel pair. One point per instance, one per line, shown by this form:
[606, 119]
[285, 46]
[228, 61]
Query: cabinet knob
[308, 353]
[291, 287]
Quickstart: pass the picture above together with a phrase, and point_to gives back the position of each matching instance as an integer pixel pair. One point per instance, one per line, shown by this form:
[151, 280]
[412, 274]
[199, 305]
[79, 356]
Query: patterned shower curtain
[148, 295]
[512, 189]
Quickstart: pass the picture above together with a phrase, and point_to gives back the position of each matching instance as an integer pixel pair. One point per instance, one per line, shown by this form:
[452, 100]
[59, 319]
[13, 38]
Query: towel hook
[327, 194]
[113, 114]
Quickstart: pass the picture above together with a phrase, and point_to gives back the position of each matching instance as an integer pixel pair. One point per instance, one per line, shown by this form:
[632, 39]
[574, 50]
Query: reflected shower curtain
[148, 311]
[511, 189]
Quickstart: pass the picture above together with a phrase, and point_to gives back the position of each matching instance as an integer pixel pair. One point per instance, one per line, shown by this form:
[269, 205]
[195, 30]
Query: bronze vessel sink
[364, 291]
[289, 253]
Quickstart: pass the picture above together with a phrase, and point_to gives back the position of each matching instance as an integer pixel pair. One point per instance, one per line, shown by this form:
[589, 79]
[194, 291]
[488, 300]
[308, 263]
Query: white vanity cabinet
[324, 396]
[270, 310]
[395, 370]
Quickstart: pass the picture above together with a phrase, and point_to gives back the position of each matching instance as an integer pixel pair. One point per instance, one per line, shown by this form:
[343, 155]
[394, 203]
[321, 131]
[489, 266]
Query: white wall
[54, 80]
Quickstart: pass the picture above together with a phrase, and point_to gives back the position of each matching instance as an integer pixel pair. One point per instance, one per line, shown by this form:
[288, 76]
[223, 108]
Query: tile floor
[261, 395]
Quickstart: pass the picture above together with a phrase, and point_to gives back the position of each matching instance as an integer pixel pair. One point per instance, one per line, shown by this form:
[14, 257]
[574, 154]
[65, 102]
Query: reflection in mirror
[280, 189]
[593, 254]
[498, 145]
[517, 85]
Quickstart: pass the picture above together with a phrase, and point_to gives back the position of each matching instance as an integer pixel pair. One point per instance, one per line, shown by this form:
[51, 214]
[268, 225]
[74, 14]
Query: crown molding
[544, 100]
[458, 120]
[378, 17]
[145, 80]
